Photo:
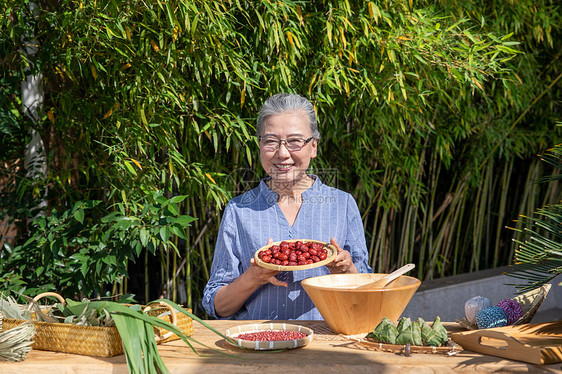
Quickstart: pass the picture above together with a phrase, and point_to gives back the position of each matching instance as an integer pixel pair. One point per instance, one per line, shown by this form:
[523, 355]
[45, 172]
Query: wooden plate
[332, 252]
[269, 345]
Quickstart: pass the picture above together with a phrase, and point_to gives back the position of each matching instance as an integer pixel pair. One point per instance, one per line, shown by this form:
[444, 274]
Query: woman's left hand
[343, 263]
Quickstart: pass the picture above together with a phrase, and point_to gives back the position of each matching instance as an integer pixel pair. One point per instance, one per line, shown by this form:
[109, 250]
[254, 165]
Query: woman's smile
[284, 167]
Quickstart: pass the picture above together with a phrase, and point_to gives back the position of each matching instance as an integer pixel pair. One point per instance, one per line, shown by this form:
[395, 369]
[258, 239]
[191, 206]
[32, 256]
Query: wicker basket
[529, 301]
[96, 340]
[82, 340]
[166, 313]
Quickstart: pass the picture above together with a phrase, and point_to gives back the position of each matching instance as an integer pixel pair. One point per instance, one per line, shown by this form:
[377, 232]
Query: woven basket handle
[172, 314]
[54, 294]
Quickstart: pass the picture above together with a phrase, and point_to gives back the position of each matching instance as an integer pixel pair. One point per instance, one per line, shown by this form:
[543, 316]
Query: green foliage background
[431, 114]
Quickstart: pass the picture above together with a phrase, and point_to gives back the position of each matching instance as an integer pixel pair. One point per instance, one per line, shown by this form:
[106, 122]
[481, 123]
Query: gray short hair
[285, 102]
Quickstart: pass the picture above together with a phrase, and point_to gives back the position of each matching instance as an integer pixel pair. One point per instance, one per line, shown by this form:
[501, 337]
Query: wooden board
[536, 343]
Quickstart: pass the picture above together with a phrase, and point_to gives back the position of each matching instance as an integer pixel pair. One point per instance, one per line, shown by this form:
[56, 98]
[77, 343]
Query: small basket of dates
[269, 336]
[298, 254]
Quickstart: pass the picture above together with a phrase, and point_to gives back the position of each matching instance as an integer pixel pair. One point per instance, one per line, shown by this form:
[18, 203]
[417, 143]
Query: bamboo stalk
[379, 243]
[404, 248]
[457, 209]
[479, 221]
[375, 247]
[114, 289]
[374, 236]
[449, 225]
[412, 235]
[146, 277]
[444, 237]
[388, 242]
[202, 251]
[504, 190]
[164, 291]
[407, 237]
[174, 269]
[188, 277]
[475, 215]
[200, 245]
[489, 182]
[428, 230]
[457, 256]
[166, 255]
[524, 202]
[436, 250]
[552, 195]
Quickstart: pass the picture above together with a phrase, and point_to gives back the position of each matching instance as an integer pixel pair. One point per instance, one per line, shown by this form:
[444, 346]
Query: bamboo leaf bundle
[16, 343]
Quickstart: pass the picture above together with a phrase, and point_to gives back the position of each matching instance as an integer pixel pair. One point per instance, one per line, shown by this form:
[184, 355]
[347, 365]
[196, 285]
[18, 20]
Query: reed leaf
[136, 330]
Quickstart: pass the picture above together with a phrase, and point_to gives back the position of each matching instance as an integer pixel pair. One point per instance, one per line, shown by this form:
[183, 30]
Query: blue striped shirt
[253, 217]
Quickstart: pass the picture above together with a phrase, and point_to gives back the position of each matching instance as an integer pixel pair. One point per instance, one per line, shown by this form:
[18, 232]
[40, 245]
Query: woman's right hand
[230, 298]
[262, 275]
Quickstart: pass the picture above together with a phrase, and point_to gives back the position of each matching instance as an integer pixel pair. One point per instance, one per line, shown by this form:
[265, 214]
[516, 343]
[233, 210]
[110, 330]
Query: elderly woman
[289, 204]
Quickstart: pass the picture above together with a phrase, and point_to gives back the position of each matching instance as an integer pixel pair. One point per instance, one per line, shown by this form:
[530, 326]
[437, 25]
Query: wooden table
[327, 353]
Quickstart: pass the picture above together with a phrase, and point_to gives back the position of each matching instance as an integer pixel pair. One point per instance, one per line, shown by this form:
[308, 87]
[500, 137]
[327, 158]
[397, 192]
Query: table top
[327, 353]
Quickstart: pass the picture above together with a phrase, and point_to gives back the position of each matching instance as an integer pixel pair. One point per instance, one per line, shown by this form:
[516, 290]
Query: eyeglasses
[292, 144]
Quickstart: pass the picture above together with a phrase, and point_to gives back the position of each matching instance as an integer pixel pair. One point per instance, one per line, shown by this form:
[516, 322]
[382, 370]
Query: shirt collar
[272, 197]
[267, 193]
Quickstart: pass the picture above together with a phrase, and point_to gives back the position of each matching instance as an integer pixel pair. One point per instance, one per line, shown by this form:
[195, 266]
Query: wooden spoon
[380, 283]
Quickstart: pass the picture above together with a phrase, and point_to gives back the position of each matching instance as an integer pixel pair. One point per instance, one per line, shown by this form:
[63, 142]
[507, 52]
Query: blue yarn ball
[493, 316]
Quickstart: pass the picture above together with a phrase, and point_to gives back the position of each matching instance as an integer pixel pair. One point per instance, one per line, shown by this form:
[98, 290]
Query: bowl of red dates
[269, 336]
[297, 254]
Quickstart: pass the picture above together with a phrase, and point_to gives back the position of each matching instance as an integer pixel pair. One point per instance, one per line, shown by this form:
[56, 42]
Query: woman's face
[282, 165]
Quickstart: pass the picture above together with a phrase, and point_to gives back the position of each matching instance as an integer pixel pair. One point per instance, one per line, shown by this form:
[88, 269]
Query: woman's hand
[230, 298]
[342, 264]
[261, 275]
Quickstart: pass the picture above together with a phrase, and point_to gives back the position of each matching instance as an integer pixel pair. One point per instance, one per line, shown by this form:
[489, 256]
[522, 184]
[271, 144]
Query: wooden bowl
[233, 332]
[332, 252]
[352, 311]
